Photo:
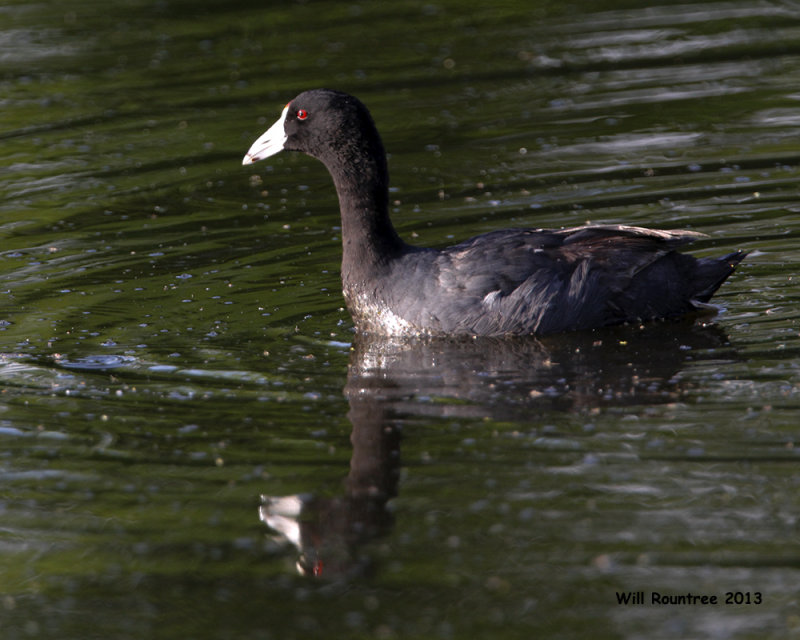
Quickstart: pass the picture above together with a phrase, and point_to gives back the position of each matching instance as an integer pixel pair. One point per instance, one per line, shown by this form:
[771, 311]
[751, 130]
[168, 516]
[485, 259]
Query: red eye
[302, 114]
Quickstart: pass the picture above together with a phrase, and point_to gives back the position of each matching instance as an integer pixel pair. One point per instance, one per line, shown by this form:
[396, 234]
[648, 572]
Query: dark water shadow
[502, 379]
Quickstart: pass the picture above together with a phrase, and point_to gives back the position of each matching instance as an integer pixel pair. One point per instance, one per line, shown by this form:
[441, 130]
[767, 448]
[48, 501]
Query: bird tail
[712, 272]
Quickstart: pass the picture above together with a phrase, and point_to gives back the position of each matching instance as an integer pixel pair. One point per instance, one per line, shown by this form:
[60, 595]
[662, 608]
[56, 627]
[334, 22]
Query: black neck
[369, 241]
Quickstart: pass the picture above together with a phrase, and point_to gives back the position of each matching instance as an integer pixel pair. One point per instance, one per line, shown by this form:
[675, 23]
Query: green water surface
[194, 443]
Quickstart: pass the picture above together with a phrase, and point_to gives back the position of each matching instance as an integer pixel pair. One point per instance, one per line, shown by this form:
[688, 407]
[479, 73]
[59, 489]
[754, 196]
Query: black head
[332, 126]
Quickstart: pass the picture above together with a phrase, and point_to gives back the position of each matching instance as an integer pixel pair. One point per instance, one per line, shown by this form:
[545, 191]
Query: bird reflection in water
[519, 379]
[330, 533]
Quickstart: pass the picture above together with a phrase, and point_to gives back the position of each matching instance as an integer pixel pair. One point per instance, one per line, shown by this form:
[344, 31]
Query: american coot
[515, 281]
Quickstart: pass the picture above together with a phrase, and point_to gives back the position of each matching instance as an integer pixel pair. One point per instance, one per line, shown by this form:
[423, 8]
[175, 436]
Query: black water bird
[513, 281]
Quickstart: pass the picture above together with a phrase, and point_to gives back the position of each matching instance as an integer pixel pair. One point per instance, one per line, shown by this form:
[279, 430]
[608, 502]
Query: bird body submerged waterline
[507, 282]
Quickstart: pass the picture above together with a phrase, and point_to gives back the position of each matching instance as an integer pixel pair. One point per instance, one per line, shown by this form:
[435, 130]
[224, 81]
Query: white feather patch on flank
[491, 298]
